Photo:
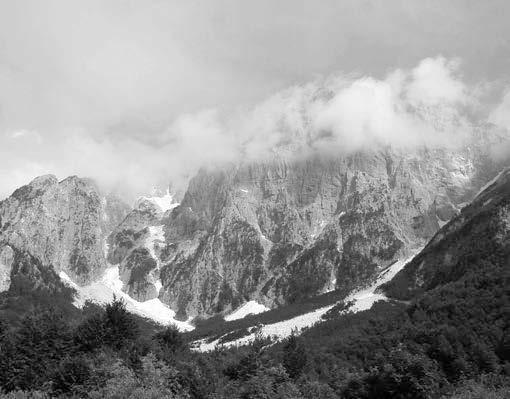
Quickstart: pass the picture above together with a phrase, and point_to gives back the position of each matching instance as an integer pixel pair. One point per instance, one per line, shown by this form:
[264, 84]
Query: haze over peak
[154, 91]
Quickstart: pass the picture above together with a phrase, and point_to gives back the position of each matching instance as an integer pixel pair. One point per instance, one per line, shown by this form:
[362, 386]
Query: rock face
[21, 274]
[281, 231]
[136, 244]
[131, 231]
[479, 235]
[63, 224]
[274, 232]
[6, 261]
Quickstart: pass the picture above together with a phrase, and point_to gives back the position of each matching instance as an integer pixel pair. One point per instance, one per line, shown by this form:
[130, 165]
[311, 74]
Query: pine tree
[295, 356]
[120, 325]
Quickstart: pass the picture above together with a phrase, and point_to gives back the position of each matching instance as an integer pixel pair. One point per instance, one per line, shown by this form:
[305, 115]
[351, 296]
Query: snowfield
[156, 236]
[362, 299]
[102, 292]
[164, 202]
[251, 307]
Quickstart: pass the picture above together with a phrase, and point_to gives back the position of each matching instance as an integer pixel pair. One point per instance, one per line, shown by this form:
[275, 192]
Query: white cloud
[25, 135]
[97, 88]
[500, 115]
[434, 82]
[425, 105]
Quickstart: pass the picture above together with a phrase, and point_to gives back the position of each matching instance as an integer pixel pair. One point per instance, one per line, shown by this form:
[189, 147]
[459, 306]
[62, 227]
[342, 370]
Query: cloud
[434, 82]
[500, 115]
[424, 105]
[139, 93]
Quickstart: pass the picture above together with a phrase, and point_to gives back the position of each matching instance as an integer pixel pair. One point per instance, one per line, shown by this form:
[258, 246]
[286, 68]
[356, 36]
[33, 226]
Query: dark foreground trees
[450, 342]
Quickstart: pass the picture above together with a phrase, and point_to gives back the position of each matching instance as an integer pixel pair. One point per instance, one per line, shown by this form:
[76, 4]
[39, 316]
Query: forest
[451, 342]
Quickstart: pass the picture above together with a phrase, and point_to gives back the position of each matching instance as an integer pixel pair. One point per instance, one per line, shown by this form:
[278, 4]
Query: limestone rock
[281, 231]
[135, 246]
[6, 261]
[480, 233]
[63, 224]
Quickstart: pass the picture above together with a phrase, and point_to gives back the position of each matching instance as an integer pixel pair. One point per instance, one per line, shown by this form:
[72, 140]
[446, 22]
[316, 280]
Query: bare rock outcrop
[63, 224]
[281, 231]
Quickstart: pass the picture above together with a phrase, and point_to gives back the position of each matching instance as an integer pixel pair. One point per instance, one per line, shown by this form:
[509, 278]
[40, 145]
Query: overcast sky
[136, 93]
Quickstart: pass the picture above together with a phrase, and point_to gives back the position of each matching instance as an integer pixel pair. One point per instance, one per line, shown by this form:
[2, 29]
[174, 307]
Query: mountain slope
[285, 230]
[455, 325]
[63, 224]
[135, 245]
[276, 232]
[481, 233]
[360, 299]
[454, 331]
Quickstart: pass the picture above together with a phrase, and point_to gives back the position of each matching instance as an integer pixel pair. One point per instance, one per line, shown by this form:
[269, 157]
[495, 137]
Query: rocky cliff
[22, 273]
[135, 245]
[276, 232]
[63, 224]
[280, 231]
[478, 237]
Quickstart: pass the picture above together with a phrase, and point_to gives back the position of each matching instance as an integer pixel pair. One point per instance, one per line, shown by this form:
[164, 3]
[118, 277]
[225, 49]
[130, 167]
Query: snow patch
[104, 203]
[364, 299]
[102, 292]
[318, 230]
[156, 235]
[278, 330]
[158, 285]
[106, 248]
[441, 223]
[251, 307]
[490, 183]
[332, 283]
[67, 280]
[164, 202]
[264, 238]
[462, 205]
[487, 202]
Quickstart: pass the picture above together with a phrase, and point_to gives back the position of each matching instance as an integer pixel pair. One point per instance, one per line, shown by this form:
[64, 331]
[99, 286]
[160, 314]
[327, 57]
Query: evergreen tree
[120, 327]
[170, 339]
[295, 356]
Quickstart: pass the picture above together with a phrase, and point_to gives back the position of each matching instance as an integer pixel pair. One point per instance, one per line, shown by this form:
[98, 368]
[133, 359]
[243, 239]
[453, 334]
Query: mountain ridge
[275, 232]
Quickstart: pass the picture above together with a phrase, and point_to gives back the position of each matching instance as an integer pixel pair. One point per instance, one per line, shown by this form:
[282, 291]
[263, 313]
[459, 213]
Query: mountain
[445, 335]
[270, 233]
[135, 245]
[466, 254]
[62, 224]
[480, 235]
[281, 231]
[20, 272]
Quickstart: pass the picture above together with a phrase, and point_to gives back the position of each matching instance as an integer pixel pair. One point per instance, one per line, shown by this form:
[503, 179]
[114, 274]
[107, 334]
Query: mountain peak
[44, 181]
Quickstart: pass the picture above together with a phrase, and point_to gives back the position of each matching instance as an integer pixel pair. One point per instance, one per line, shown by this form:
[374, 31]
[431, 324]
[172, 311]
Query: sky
[142, 93]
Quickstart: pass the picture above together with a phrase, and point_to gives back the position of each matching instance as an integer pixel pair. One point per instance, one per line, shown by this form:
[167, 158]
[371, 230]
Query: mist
[137, 95]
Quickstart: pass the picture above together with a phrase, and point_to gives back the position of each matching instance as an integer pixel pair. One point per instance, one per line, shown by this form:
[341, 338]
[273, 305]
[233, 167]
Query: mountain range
[254, 235]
